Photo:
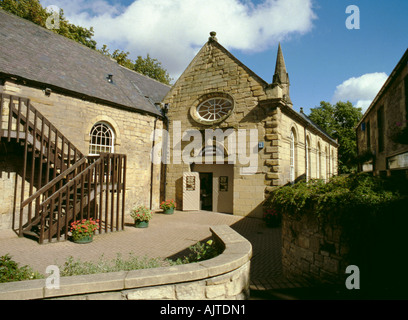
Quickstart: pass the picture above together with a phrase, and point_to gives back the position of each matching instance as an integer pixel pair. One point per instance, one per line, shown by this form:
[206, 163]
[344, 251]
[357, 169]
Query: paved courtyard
[168, 236]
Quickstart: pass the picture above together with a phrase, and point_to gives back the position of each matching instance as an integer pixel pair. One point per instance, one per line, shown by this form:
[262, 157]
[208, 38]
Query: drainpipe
[165, 109]
[152, 164]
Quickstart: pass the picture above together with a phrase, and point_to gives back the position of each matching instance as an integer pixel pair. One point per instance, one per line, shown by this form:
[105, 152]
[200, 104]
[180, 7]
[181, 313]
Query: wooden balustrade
[69, 185]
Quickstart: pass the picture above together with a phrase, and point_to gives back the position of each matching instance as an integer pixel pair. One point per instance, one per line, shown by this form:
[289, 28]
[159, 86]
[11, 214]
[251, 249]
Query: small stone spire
[281, 76]
[212, 36]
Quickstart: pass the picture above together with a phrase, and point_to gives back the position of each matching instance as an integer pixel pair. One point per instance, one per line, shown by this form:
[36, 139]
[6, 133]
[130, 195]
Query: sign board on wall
[191, 191]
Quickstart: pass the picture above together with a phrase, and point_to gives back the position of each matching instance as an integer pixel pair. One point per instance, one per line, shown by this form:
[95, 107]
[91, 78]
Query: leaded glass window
[214, 109]
[102, 139]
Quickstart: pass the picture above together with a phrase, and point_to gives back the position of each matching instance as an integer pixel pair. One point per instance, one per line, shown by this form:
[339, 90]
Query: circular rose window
[214, 109]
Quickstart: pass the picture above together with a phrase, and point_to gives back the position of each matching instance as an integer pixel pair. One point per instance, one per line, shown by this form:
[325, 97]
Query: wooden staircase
[62, 184]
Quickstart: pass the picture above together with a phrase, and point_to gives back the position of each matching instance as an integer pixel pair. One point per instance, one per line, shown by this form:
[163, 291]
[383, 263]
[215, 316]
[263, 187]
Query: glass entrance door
[206, 191]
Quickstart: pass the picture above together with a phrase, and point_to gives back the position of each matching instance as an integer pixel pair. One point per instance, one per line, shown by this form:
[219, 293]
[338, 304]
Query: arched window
[327, 164]
[102, 139]
[308, 160]
[319, 161]
[292, 157]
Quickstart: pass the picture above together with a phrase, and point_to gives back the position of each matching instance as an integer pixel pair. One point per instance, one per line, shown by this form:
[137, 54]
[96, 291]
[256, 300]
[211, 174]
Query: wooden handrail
[38, 132]
[71, 182]
[53, 182]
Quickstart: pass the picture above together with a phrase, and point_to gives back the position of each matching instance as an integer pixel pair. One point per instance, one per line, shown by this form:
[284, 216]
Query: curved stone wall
[223, 277]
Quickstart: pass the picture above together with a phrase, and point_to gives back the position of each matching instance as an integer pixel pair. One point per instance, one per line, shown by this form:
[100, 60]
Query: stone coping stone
[237, 252]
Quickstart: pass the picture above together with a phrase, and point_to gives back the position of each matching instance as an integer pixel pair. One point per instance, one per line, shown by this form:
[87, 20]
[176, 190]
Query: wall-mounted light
[47, 92]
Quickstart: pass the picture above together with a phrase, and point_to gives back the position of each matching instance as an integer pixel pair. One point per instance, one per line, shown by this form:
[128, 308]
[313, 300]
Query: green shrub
[10, 271]
[344, 196]
[200, 251]
[73, 267]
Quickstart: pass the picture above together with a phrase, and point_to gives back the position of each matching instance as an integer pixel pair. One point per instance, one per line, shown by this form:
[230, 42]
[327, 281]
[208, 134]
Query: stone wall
[75, 118]
[312, 253]
[223, 277]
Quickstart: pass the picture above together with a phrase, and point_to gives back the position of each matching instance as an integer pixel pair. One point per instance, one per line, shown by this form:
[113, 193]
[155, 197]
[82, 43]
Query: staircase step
[31, 234]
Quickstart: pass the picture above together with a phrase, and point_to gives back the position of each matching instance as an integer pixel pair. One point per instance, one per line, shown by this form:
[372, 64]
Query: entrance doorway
[206, 191]
[216, 186]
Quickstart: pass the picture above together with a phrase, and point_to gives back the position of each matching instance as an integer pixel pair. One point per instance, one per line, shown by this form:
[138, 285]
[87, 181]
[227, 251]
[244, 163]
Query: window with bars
[102, 139]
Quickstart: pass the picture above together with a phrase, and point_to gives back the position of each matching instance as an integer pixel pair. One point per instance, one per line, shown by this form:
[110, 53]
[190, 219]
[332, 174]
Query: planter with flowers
[142, 216]
[272, 218]
[82, 231]
[168, 206]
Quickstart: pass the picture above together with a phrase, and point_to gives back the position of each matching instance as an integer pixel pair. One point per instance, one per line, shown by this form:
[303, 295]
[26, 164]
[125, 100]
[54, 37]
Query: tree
[147, 66]
[152, 68]
[26, 9]
[74, 32]
[339, 121]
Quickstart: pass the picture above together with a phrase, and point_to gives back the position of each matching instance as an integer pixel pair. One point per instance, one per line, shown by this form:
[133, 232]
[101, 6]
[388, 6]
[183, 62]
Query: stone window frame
[308, 157]
[206, 97]
[111, 123]
[101, 132]
[327, 154]
[293, 154]
[319, 161]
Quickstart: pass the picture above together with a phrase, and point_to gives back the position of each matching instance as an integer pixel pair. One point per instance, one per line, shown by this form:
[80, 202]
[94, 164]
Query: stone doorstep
[238, 251]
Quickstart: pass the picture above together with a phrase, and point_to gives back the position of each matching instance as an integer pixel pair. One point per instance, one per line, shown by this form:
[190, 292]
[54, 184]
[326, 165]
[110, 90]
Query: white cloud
[174, 30]
[361, 90]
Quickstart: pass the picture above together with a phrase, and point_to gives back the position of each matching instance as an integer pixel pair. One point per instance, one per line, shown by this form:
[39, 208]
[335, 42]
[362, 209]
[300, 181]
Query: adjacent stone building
[98, 105]
[233, 137]
[382, 133]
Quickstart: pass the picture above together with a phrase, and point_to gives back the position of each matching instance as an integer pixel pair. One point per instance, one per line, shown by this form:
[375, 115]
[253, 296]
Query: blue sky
[326, 61]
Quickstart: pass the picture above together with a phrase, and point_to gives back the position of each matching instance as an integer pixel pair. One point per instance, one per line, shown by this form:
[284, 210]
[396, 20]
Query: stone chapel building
[223, 173]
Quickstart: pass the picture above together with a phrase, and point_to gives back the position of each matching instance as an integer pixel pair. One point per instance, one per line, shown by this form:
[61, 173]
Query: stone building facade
[233, 138]
[382, 134]
[85, 95]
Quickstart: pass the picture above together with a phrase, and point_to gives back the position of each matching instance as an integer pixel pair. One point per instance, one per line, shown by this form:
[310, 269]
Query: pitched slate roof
[38, 55]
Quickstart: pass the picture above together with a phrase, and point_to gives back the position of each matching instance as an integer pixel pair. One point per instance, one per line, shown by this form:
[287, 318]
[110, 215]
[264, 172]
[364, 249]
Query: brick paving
[168, 236]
